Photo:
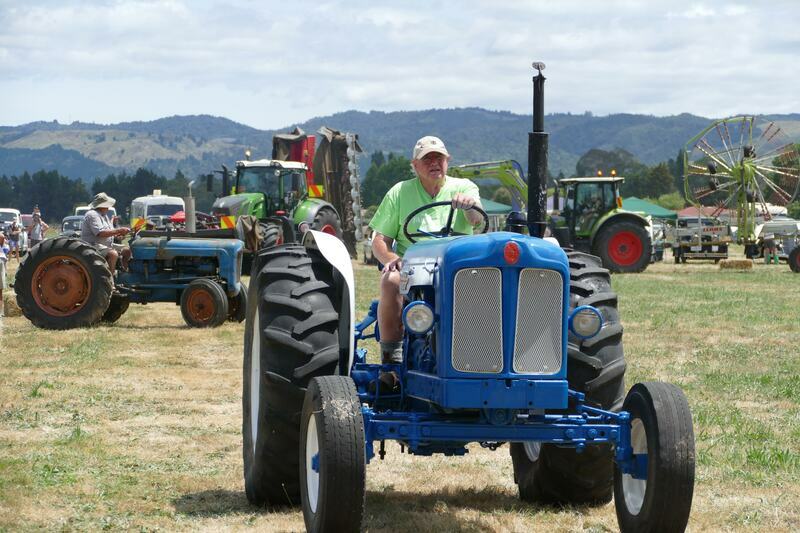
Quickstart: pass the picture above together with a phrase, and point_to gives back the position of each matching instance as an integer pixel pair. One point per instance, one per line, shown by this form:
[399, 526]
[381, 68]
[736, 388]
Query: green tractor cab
[272, 190]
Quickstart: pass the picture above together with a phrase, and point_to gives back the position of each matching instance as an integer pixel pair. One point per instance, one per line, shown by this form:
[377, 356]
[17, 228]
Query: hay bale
[736, 264]
[10, 307]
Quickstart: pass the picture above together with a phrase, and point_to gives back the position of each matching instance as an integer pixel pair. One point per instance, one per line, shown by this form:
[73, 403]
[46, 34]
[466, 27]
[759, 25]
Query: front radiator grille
[477, 320]
[538, 336]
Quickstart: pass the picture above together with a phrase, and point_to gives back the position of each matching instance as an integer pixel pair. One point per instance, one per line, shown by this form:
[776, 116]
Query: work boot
[387, 382]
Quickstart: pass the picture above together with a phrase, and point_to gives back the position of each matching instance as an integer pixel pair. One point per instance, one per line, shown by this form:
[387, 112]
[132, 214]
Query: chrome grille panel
[538, 336]
[478, 320]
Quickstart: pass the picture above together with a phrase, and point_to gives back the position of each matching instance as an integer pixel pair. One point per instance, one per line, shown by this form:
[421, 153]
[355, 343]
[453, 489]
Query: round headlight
[585, 321]
[418, 317]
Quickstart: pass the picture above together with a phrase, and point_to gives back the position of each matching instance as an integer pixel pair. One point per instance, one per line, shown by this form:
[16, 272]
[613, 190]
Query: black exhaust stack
[537, 160]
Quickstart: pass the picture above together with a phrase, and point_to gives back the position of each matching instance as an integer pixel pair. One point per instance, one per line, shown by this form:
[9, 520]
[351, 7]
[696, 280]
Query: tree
[622, 161]
[377, 158]
[379, 180]
[659, 181]
[672, 201]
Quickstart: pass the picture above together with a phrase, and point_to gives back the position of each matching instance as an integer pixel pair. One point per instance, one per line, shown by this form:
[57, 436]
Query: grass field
[138, 425]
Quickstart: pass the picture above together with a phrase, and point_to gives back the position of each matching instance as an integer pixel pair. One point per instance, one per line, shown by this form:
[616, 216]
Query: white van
[9, 215]
[154, 210]
[81, 210]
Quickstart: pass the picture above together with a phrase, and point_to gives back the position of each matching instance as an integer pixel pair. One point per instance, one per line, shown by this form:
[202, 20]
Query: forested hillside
[198, 144]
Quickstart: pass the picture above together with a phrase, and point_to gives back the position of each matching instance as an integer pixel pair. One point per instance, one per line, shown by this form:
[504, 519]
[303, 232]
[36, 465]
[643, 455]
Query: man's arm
[112, 232]
[382, 250]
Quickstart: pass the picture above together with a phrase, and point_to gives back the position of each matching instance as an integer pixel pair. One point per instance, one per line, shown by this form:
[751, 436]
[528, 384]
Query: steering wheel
[447, 230]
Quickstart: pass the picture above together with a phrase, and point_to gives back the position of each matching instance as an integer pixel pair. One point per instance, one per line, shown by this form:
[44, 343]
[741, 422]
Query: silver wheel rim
[255, 380]
[635, 489]
[312, 477]
[532, 450]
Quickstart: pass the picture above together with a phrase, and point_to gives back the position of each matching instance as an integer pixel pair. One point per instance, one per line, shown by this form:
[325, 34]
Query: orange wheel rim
[61, 286]
[201, 305]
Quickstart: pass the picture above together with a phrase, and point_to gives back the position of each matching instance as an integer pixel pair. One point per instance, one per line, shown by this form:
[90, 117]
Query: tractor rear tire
[63, 283]
[332, 456]
[328, 221]
[116, 308]
[624, 246]
[794, 259]
[237, 306]
[291, 336]
[204, 304]
[661, 428]
[596, 367]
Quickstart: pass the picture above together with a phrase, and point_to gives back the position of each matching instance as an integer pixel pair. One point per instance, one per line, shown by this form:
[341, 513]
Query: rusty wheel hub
[61, 286]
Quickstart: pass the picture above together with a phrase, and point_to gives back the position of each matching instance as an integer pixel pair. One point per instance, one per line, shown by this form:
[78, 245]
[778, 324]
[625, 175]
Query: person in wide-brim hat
[102, 200]
[97, 230]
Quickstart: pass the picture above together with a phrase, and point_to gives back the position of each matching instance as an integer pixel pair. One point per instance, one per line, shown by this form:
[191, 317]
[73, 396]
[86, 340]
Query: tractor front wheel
[661, 430]
[204, 304]
[624, 246]
[332, 460]
[116, 308]
[291, 335]
[63, 283]
[794, 259]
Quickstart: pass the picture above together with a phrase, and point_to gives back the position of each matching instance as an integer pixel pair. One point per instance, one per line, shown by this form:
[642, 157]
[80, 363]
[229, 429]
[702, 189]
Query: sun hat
[427, 145]
[101, 199]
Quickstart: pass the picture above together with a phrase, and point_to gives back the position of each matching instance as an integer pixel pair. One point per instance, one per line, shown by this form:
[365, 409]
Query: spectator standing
[37, 229]
[3, 259]
[14, 233]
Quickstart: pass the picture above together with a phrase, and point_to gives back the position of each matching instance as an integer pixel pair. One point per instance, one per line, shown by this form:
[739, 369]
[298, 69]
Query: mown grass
[137, 425]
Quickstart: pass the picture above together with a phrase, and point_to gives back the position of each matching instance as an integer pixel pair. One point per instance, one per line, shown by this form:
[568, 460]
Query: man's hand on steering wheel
[447, 230]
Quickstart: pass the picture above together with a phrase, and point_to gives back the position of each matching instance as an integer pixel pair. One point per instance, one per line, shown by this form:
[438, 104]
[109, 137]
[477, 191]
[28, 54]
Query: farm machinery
[65, 283]
[591, 220]
[742, 165]
[282, 195]
[509, 339]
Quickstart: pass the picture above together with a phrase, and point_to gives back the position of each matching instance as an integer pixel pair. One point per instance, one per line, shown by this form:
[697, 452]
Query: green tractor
[591, 218]
[276, 193]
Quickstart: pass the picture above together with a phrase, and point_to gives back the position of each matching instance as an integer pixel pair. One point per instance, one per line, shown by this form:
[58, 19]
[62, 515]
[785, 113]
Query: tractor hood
[237, 204]
[423, 260]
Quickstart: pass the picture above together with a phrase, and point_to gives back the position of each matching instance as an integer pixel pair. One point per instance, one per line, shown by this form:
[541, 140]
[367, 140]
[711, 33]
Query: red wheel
[61, 286]
[623, 245]
[204, 304]
[625, 248]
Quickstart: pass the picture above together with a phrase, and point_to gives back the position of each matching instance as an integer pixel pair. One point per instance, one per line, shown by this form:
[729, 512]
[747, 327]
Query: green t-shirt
[409, 195]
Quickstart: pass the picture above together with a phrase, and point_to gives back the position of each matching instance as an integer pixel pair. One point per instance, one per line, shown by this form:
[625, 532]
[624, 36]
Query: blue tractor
[65, 283]
[509, 339]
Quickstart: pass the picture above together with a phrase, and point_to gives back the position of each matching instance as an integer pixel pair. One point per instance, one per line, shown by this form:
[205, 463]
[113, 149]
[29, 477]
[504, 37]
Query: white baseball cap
[427, 145]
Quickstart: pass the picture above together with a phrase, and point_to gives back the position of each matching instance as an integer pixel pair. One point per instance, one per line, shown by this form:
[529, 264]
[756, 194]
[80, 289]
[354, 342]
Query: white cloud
[269, 64]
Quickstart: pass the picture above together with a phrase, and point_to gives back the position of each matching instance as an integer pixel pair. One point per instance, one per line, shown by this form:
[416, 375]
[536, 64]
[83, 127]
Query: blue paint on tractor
[440, 409]
[161, 267]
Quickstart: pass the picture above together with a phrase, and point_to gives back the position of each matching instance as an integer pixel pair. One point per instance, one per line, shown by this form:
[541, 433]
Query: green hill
[200, 143]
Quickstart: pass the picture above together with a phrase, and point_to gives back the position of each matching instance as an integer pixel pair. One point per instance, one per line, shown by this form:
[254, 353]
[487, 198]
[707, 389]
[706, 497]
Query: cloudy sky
[269, 64]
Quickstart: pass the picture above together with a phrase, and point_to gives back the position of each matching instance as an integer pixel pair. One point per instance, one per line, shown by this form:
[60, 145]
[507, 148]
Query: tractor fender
[336, 254]
[615, 216]
[308, 208]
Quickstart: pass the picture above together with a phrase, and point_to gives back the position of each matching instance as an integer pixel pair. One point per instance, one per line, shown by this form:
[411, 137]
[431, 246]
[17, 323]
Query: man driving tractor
[429, 161]
[98, 230]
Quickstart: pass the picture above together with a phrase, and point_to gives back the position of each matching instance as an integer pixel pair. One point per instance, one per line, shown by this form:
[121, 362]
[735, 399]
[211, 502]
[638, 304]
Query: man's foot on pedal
[388, 382]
